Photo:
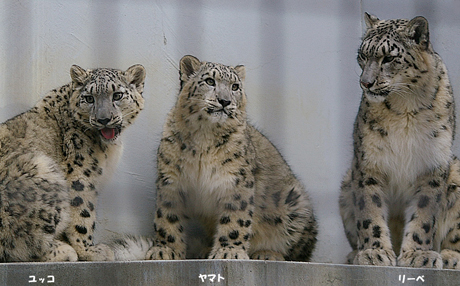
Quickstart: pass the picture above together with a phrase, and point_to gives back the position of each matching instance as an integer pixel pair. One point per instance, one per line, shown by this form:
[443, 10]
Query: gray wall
[302, 79]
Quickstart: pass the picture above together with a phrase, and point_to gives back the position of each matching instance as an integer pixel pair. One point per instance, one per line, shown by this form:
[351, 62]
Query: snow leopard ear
[188, 66]
[370, 20]
[417, 30]
[78, 74]
[136, 75]
[241, 72]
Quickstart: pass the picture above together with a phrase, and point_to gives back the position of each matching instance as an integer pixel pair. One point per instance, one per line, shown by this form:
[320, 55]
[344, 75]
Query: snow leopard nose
[369, 74]
[224, 102]
[104, 121]
[367, 84]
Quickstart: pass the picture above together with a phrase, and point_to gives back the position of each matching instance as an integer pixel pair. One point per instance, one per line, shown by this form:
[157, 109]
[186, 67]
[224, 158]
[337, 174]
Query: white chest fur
[409, 149]
[204, 182]
[108, 161]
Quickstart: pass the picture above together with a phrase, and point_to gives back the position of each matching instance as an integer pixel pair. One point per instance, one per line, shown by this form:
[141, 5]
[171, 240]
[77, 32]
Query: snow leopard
[215, 170]
[53, 159]
[399, 200]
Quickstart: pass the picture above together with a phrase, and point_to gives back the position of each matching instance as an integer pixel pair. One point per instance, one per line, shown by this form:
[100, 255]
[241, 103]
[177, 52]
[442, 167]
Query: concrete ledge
[234, 272]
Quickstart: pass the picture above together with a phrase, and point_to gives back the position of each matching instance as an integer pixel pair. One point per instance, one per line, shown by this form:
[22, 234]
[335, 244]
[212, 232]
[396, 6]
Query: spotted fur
[52, 159]
[398, 200]
[216, 168]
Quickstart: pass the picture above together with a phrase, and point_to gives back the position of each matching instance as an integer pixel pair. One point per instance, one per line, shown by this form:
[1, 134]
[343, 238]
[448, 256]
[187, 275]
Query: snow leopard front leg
[171, 202]
[366, 225]
[83, 169]
[422, 215]
[83, 222]
[169, 220]
[234, 226]
[347, 203]
[450, 241]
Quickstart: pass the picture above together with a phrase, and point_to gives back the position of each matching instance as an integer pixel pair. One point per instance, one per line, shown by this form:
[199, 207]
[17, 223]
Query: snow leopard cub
[215, 167]
[52, 159]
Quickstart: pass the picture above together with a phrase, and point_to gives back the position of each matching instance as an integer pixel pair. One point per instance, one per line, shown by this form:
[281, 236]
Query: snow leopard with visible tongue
[52, 158]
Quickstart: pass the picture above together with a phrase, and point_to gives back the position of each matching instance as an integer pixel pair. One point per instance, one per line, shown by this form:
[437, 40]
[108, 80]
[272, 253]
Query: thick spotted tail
[130, 247]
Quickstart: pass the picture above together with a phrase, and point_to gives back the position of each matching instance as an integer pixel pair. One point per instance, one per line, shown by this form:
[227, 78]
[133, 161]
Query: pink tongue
[108, 133]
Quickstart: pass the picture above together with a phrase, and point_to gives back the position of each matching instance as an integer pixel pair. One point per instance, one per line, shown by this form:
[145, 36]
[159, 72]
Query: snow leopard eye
[388, 59]
[89, 98]
[361, 57]
[117, 96]
[235, 87]
[210, 81]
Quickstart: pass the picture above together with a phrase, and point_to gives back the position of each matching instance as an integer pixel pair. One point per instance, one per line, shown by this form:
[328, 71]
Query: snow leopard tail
[130, 247]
